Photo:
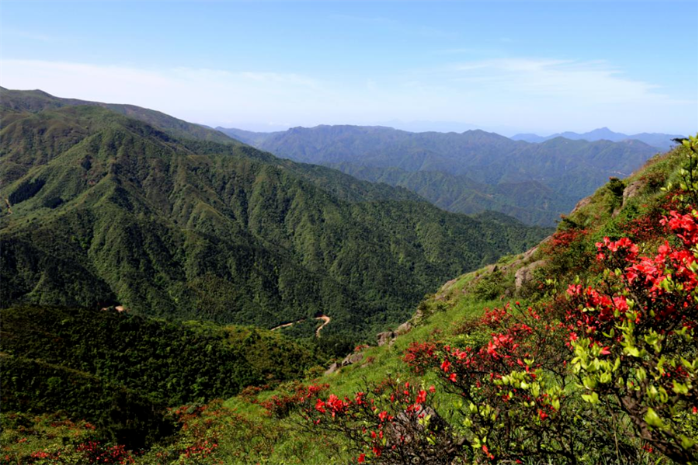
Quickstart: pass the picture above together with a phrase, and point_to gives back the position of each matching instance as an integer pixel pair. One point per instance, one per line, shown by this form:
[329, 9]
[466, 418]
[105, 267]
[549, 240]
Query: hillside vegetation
[468, 172]
[590, 356]
[102, 209]
[581, 350]
[37, 100]
[120, 372]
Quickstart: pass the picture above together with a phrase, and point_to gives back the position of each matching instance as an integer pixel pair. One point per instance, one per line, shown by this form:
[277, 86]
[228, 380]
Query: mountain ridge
[475, 166]
[109, 210]
[658, 140]
[38, 100]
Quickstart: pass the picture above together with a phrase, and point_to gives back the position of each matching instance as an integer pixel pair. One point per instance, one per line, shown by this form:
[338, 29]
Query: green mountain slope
[451, 325]
[37, 100]
[512, 333]
[468, 172]
[530, 201]
[103, 209]
[120, 371]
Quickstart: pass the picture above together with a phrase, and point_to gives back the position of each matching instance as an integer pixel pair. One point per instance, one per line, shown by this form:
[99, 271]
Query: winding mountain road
[325, 321]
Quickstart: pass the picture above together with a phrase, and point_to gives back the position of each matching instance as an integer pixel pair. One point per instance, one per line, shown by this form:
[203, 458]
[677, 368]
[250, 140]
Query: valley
[190, 228]
[256, 286]
[345, 232]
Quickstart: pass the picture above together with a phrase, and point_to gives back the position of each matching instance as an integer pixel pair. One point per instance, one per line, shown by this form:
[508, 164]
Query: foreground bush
[604, 371]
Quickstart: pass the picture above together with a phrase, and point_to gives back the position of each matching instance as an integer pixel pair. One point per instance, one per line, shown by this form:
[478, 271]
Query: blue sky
[509, 67]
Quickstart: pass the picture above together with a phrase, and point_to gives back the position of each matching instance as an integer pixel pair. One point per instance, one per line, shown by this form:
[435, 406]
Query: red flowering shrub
[562, 240]
[280, 406]
[96, 452]
[391, 422]
[634, 337]
[606, 372]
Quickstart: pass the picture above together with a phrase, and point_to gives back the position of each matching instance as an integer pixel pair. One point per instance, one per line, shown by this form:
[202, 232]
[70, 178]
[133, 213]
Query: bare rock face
[404, 328]
[529, 253]
[525, 274]
[581, 204]
[385, 337]
[632, 190]
[352, 359]
[333, 368]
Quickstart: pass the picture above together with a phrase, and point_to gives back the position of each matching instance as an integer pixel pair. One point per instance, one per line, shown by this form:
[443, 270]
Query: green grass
[299, 446]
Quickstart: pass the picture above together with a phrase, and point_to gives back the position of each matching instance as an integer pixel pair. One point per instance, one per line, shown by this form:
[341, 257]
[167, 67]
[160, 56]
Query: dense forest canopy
[103, 209]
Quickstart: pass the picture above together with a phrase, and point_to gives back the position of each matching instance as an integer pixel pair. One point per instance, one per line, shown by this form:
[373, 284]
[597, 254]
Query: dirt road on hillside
[325, 321]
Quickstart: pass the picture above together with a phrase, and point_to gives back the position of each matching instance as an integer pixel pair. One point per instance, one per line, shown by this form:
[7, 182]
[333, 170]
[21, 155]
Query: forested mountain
[468, 172]
[540, 353]
[102, 209]
[658, 140]
[37, 100]
[120, 371]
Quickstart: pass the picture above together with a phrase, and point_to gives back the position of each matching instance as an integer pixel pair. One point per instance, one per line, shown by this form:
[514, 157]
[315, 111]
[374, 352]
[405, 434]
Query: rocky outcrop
[581, 204]
[633, 189]
[404, 328]
[388, 337]
[352, 359]
[524, 275]
[385, 337]
[332, 369]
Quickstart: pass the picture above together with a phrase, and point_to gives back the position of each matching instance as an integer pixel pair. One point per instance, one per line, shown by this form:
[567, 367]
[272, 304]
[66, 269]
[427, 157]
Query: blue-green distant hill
[658, 140]
[468, 172]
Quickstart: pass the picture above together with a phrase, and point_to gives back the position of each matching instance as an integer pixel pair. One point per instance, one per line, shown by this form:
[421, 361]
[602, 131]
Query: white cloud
[28, 35]
[544, 95]
[590, 82]
[202, 95]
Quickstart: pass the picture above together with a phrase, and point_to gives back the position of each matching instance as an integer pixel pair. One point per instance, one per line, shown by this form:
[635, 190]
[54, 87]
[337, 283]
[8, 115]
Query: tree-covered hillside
[580, 351]
[121, 371]
[101, 209]
[468, 172]
[37, 100]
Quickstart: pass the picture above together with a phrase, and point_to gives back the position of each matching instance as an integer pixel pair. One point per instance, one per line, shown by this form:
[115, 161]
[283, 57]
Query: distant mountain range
[174, 220]
[467, 173]
[658, 140]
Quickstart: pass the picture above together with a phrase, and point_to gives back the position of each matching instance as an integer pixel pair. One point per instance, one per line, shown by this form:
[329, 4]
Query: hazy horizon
[506, 67]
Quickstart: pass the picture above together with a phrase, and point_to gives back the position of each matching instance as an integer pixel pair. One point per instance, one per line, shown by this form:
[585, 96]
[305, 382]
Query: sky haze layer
[508, 67]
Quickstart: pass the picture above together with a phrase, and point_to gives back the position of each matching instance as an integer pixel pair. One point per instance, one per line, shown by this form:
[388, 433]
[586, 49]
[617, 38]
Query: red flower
[320, 406]
[446, 366]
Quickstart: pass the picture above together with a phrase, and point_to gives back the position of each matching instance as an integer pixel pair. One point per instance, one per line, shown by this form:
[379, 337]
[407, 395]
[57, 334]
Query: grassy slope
[244, 433]
[458, 301]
